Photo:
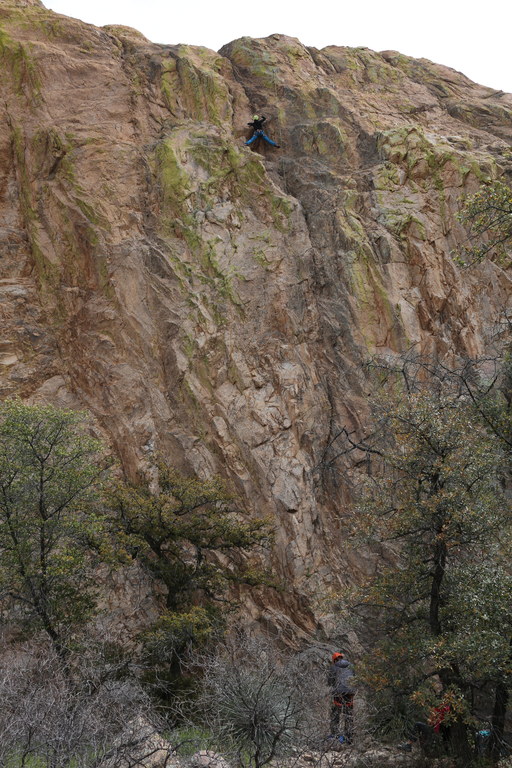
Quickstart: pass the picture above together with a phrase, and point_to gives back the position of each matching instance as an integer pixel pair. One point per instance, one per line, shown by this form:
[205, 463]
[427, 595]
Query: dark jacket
[257, 124]
[339, 677]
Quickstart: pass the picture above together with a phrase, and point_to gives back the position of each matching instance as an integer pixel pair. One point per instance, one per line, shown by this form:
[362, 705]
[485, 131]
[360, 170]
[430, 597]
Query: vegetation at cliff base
[191, 537]
[261, 703]
[435, 616]
[52, 531]
[64, 524]
[436, 613]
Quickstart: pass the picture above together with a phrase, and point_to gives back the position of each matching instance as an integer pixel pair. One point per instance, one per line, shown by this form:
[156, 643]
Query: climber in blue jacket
[258, 132]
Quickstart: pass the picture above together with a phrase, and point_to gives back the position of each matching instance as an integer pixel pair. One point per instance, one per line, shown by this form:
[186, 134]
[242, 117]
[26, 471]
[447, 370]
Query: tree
[190, 535]
[436, 502]
[489, 215]
[484, 642]
[51, 534]
[485, 382]
[178, 530]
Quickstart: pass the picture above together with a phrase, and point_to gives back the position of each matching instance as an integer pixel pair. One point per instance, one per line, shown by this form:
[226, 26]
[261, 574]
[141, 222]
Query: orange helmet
[337, 656]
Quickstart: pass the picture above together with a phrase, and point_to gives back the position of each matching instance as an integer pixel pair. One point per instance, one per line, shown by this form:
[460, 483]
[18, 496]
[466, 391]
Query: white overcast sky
[472, 37]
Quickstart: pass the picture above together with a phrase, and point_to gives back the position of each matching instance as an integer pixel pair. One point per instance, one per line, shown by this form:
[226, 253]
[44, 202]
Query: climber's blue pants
[260, 135]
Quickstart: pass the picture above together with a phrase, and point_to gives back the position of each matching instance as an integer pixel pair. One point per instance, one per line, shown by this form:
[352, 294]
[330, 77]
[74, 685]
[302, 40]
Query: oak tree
[436, 504]
[192, 536]
[51, 532]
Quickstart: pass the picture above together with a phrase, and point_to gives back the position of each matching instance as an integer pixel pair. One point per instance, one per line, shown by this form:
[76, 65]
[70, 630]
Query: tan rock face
[216, 304]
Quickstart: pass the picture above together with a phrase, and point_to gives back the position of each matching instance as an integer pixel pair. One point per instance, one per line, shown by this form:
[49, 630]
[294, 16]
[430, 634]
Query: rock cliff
[216, 304]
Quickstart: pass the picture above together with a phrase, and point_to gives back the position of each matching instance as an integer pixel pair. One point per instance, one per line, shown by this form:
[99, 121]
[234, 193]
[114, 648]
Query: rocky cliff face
[214, 303]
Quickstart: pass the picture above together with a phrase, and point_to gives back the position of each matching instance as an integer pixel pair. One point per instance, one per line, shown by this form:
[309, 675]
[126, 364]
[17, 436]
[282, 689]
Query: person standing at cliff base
[339, 679]
[258, 132]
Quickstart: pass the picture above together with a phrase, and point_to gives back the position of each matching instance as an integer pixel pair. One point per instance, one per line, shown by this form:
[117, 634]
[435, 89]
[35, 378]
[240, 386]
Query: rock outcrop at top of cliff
[216, 304]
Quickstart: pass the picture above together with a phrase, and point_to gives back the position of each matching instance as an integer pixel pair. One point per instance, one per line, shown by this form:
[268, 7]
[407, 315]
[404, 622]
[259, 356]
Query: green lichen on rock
[242, 175]
[373, 300]
[167, 83]
[260, 255]
[16, 60]
[402, 143]
[348, 223]
[196, 169]
[415, 162]
[193, 86]
[325, 139]
[44, 156]
[184, 197]
[424, 157]
[222, 280]
[219, 158]
[47, 271]
[124, 32]
[403, 223]
[173, 179]
[260, 63]
[387, 176]
[364, 68]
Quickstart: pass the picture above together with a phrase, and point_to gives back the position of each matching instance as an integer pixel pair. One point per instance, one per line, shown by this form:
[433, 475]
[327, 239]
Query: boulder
[140, 746]
[206, 758]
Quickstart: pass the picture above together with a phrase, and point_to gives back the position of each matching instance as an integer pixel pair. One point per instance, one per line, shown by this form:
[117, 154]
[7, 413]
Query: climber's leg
[269, 141]
[256, 135]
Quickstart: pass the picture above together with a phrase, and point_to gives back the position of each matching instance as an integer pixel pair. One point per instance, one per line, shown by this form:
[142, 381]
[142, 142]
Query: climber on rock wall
[258, 132]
